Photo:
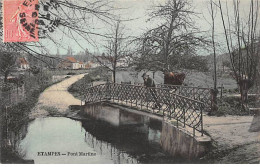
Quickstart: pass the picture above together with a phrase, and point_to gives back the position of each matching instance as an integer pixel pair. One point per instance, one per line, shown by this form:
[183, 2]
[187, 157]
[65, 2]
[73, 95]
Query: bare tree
[212, 12]
[176, 35]
[243, 46]
[71, 19]
[115, 50]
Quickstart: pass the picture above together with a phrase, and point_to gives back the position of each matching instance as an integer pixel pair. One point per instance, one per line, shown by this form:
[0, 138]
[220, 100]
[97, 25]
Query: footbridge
[183, 106]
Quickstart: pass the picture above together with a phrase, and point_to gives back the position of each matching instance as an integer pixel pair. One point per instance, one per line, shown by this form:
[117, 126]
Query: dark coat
[149, 82]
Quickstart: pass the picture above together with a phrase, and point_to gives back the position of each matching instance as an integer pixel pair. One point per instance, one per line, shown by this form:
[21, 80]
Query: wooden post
[221, 93]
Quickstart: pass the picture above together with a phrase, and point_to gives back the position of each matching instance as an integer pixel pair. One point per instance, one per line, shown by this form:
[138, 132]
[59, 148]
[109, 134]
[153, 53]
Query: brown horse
[174, 78]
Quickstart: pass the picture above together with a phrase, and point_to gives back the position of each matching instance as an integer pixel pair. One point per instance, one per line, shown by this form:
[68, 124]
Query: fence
[186, 111]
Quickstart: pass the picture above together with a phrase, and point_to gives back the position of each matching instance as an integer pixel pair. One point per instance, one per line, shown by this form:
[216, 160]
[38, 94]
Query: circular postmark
[48, 19]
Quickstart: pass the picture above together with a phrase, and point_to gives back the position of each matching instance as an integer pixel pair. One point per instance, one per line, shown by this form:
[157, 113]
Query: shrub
[230, 106]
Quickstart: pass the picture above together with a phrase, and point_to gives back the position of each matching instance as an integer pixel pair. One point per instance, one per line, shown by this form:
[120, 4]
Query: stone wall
[175, 141]
[102, 112]
[113, 115]
[178, 142]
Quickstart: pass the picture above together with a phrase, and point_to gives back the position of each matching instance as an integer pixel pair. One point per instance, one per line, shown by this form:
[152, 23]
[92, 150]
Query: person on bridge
[149, 83]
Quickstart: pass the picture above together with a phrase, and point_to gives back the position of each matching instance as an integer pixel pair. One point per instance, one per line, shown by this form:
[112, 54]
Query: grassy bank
[15, 116]
[66, 72]
[97, 74]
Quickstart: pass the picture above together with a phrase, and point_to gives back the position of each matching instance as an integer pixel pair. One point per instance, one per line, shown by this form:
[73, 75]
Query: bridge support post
[178, 142]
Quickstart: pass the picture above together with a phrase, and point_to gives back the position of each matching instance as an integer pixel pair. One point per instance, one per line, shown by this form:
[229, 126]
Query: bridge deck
[161, 101]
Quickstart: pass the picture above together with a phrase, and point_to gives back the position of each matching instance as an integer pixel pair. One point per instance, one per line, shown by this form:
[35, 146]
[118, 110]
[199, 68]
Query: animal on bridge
[171, 78]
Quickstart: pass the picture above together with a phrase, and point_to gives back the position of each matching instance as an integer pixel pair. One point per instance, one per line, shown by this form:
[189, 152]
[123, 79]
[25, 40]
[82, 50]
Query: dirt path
[236, 144]
[56, 98]
[230, 131]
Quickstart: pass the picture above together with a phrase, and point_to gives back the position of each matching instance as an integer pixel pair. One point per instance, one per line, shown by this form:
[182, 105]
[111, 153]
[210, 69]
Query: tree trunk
[214, 106]
[243, 86]
[6, 76]
[114, 76]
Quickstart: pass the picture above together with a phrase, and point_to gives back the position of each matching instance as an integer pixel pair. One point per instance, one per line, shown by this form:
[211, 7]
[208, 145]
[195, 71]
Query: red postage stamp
[20, 20]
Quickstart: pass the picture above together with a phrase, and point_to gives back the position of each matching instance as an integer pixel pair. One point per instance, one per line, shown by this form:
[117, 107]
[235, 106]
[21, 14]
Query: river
[61, 140]
[67, 138]
[88, 141]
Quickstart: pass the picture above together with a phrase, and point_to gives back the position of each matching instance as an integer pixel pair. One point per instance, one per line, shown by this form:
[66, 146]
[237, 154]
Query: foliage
[35, 70]
[226, 64]
[7, 62]
[95, 75]
[6, 86]
[20, 112]
[230, 106]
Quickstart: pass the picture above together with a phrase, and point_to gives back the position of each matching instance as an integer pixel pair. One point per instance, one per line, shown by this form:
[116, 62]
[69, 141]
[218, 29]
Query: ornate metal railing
[161, 101]
[204, 95]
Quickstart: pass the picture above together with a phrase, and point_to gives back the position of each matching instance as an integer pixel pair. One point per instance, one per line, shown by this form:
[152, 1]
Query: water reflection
[107, 143]
[109, 150]
[58, 135]
[140, 141]
[65, 135]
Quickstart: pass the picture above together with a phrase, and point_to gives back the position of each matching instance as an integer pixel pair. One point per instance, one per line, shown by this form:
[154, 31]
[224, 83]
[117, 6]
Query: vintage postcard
[130, 82]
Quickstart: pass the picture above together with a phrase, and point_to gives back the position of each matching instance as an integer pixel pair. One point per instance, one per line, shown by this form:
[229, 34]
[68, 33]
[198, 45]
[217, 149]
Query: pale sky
[137, 10]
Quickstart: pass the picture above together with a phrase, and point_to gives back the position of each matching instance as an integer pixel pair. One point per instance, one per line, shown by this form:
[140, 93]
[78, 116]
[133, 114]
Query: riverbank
[14, 117]
[97, 75]
[232, 140]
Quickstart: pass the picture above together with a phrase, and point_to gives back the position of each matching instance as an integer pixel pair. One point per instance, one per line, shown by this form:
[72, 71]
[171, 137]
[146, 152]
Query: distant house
[93, 64]
[81, 65]
[108, 61]
[22, 64]
[69, 63]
